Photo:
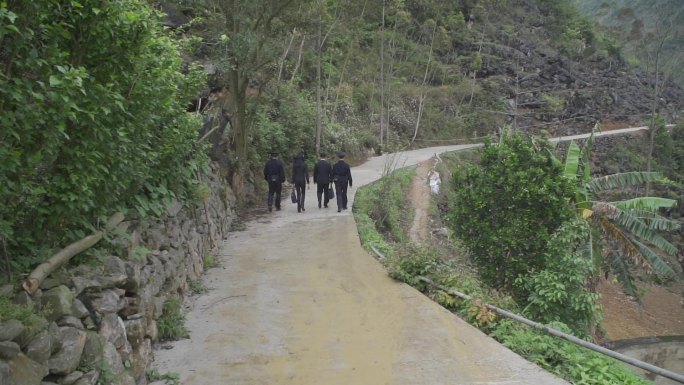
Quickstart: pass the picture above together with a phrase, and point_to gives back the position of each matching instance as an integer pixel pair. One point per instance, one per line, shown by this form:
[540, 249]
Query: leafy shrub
[9, 310]
[209, 261]
[506, 208]
[571, 362]
[90, 124]
[561, 292]
[171, 324]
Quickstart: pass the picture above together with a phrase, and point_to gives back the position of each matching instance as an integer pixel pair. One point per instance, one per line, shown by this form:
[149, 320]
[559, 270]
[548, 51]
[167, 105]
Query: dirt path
[298, 301]
[420, 201]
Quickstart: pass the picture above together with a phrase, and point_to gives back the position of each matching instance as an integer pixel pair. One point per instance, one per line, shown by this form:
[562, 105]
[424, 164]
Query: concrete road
[298, 301]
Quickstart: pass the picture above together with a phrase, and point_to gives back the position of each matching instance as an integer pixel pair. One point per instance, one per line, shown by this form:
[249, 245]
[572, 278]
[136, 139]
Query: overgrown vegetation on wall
[93, 99]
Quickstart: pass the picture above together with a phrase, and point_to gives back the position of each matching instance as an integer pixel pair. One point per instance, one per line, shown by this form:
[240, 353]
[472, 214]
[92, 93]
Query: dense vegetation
[92, 110]
[558, 292]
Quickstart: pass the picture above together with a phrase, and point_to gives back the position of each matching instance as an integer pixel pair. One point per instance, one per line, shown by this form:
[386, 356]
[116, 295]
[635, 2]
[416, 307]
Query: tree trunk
[382, 75]
[32, 283]
[319, 44]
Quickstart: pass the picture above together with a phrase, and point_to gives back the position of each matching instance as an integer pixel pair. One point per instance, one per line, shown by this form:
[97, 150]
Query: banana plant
[625, 233]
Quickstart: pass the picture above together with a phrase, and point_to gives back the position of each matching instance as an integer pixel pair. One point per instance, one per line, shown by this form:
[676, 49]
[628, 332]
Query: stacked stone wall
[99, 319]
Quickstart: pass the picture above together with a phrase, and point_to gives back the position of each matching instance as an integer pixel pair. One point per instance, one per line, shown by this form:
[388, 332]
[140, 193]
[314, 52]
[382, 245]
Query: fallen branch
[32, 283]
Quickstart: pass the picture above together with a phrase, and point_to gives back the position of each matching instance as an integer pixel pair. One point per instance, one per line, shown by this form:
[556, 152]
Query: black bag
[293, 196]
[331, 193]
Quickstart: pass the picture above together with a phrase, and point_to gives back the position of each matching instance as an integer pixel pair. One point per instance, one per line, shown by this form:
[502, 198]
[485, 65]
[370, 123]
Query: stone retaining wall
[100, 319]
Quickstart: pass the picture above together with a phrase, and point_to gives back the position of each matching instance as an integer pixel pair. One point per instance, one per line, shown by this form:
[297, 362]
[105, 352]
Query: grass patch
[209, 261]
[170, 378]
[197, 287]
[9, 310]
[171, 324]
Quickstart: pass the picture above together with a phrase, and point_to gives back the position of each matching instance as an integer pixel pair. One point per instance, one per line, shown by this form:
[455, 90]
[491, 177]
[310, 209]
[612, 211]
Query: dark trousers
[341, 191]
[300, 191]
[274, 188]
[322, 189]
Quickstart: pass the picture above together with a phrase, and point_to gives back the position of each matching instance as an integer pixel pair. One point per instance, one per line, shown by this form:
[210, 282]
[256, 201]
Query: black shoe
[339, 210]
[326, 206]
[277, 208]
[270, 208]
[319, 205]
[303, 209]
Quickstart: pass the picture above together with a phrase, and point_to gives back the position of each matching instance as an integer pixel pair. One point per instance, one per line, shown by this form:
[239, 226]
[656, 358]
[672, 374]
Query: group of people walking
[324, 174]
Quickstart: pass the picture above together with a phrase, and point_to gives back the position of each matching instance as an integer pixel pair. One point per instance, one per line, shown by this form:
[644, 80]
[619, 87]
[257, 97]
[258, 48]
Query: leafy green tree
[624, 232]
[92, 119]
[507, 207]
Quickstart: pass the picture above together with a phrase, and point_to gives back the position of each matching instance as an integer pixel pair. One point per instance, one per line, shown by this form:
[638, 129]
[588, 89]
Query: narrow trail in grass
[419, 194]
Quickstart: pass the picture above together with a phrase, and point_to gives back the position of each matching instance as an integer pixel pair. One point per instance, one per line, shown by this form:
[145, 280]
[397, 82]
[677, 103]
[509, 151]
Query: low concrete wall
[664, 352]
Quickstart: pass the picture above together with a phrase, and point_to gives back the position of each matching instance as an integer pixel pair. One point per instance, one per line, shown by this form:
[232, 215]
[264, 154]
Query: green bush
[93, 120]
[171, 324]
[507, 207]
[571, 362]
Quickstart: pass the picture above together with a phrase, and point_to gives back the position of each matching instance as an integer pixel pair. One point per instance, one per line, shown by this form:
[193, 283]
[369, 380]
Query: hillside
[422, 73]
[640, 25]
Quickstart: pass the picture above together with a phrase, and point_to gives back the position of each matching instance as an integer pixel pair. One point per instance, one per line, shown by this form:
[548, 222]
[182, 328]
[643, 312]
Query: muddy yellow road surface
[298, 301]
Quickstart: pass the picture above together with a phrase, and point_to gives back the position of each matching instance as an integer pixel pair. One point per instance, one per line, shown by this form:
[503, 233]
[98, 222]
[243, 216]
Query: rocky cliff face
[563, 89]
[101, 319]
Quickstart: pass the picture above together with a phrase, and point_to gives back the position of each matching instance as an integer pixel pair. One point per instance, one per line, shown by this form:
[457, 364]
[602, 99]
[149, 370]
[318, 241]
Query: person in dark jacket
[274, 173]
[322, 179]
[300, 177]
[341, 174]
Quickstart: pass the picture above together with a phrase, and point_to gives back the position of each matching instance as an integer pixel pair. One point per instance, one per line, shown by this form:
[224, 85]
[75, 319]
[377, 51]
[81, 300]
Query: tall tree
[252, 30]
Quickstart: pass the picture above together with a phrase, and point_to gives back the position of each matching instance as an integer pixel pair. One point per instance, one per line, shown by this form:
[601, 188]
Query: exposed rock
[25, 371]
[4, 373]
[158, 307]
[112, 360]
[10, 329]
[133, 277]
[70, 320]
[57, 278]
[68, 357]
[57, 302]
[78, 309]
[40, 347]
[71, 378]
[113, 330]
[93, 351]
[135, 332]
[82, 283]
[152, 330]
[89, 378]
[141, 355]
[9, 350]
[106, 301]
[130, 307]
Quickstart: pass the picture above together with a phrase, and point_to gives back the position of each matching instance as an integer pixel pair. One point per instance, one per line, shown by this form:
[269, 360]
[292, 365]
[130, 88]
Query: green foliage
[9, 310]
[197, 287]
[170, 378]
[209, 261]
[384, 202]
[561, 292]
[507, 207]
[91, 124]
[624, 230]
[571, 362]
[171, 324]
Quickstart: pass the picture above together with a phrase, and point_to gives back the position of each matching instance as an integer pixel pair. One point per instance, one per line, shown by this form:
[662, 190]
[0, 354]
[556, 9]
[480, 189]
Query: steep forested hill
[411, 72]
